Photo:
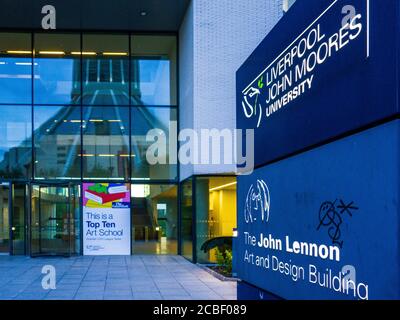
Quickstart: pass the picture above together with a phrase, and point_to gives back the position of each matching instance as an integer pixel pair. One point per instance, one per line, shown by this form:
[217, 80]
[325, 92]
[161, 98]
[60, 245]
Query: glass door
[55, 219]
[18, 218]
[4, 218]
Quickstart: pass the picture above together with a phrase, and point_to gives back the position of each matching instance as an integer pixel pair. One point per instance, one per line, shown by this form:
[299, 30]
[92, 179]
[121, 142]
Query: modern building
[119, 131]
[77, 101]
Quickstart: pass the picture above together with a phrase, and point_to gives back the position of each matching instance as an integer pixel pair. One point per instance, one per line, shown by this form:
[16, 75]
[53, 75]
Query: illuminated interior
[215, 212]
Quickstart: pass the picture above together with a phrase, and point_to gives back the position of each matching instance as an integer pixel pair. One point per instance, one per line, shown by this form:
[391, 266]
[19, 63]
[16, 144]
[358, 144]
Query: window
[15, 68]
[15, 141]
[154, 219]
[57, 69]
[187, 219]
[105, 69]
[215, 212]
[159, 120]
[153, 71]
[57, 142]
[105, 153]
[19, 198]
[88, 102]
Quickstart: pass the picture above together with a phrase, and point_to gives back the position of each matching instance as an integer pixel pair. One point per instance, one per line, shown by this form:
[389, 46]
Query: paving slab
[138, 277]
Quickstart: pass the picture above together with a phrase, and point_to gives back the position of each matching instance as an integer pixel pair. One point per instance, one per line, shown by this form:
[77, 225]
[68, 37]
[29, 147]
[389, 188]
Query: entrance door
[4, 218]
[55, 219]
[18, 207]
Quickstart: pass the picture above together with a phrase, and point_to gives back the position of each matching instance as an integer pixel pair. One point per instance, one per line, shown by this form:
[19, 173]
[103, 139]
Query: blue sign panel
[327, 68]
[325, 224]
[246, 291]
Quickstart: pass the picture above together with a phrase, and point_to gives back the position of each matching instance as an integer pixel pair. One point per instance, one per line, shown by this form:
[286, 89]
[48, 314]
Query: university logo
[250, 104]
[257, 202]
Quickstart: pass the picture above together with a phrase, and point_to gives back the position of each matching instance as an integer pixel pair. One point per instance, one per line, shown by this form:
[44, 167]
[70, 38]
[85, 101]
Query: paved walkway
[137, 277]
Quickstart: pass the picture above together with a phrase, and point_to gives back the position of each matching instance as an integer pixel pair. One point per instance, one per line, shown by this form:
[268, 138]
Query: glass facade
[56, 69]
[78, 107]
[57, 142]
[154, 219]
[160, 119]
[208, 214]
[15, 68]
[105, 69]
[55, 220]
[154, 61]
[19, 215]
[15, 142]
[215, 213]
[4, 218]
[187, 231]
[86, 107]
[105, 142]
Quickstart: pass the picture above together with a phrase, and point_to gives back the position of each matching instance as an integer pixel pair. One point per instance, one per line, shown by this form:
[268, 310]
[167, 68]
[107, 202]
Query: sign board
[326, 69]
[106, 219]
[325, 224]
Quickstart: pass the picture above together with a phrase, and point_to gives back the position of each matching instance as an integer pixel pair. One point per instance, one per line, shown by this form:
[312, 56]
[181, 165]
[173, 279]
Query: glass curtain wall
[154, 219]
[15, 142]
[208, 216]
[215, 214]
[15, 105]
[153, 94]
[56, 125]
[15, 68]
[79, 85]
[88, 106]
[187, 231]
[4, 218]
[19, 216]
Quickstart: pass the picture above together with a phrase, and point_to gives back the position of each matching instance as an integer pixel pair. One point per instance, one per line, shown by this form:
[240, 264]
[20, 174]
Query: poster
[106, 219]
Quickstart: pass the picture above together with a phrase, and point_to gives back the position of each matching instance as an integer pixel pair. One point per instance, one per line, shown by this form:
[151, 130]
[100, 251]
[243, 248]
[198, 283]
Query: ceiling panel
[160, 15]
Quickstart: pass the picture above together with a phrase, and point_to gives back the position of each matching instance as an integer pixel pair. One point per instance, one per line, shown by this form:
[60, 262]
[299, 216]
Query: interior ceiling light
[143, 13]
[86, 155]
[223, 186]
[19, 51]
[25, 63]
[115, 54]
[52, 52]
[84, 53]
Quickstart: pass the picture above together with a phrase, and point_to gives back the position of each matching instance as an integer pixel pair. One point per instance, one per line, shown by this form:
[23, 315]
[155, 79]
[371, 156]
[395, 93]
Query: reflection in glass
[153, 70]
[215, 212]
[154, 219]
[15, 142]
[4, 218]
[143, 120]
[57, 141]
[18, 218]
[105, 69]
[187, 219]
[55, 220]
[57, 69]
[15, 68]
[105, 142]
